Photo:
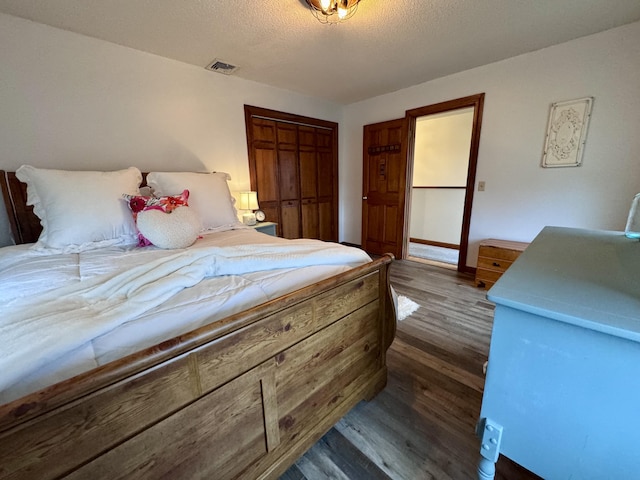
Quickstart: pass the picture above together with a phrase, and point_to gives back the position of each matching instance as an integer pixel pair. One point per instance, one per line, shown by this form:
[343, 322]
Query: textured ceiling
[388, 45]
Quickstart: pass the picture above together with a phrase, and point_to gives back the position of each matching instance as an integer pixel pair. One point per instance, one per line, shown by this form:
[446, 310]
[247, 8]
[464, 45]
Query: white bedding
[65, 314]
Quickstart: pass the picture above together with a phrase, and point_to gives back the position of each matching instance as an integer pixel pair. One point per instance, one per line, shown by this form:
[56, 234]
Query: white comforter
[97, 296]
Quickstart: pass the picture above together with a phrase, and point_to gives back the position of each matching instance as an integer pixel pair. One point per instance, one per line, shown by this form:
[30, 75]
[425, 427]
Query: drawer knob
[496, 264]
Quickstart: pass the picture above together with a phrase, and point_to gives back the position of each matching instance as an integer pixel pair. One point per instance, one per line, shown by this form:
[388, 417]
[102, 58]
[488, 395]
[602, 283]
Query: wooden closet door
[317, 186]
[264, 174]
[287, 147]
[309, 182]
[294, 159]
[327, 186]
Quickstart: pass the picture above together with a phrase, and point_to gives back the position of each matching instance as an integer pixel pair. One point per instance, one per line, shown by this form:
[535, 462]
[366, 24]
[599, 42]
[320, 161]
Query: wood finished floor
[421, 426]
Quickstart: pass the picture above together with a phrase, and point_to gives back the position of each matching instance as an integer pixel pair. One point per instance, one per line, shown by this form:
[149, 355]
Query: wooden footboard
[241, 398]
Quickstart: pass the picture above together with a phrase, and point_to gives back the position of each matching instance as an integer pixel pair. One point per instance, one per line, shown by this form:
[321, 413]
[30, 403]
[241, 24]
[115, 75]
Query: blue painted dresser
[562, 392]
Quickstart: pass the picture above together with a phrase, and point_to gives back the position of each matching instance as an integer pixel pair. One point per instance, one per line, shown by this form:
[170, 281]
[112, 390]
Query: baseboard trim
[469, 270]
[433, 243]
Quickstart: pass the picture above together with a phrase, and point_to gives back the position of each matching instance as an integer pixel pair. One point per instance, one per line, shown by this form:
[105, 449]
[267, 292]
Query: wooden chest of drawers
[494, 257]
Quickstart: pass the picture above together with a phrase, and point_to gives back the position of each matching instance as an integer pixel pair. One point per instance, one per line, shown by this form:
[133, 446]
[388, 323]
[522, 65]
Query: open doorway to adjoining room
[441, 161]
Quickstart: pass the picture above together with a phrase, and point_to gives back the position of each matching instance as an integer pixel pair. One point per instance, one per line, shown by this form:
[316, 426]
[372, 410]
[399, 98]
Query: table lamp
[632, 230]
[248, 201]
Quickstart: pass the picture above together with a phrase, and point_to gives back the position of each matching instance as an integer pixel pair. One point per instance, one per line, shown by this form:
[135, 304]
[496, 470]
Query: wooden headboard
[25, 225]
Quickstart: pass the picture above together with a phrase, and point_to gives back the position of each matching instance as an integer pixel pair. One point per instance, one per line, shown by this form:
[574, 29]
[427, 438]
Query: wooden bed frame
[242, 397]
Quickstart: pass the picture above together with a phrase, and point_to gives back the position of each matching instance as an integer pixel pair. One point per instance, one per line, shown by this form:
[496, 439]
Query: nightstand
[266, 227]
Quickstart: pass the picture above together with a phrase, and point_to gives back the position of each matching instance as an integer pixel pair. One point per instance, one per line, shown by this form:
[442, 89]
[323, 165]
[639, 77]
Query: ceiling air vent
[221, 67]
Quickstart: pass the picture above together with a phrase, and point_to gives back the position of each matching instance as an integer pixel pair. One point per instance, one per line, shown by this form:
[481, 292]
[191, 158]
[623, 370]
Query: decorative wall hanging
[567, 132]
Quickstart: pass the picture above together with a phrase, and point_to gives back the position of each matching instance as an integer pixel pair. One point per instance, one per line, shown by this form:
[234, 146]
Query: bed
[241, 389]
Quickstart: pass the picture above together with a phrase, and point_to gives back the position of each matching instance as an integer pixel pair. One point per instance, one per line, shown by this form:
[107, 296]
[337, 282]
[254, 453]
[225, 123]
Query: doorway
[441, 168]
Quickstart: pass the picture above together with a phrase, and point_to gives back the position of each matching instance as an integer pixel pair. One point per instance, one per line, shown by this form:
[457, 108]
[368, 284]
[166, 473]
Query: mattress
[25, 274]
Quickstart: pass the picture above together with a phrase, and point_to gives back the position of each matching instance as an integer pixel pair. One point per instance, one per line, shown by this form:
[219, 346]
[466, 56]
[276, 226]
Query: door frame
[477, 102]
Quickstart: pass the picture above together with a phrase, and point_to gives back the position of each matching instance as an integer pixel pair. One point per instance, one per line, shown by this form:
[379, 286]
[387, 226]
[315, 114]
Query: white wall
[442, 145]
[436, 215]
[521, 197]
[70, 101]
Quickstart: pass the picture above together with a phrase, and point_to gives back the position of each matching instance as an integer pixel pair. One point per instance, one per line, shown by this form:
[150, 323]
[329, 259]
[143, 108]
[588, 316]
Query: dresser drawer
[494, 258]
[484, 276]
[489, 251]
[493, 263]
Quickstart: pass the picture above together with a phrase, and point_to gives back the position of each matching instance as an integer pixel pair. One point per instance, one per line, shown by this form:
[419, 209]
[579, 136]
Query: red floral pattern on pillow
[139, 203]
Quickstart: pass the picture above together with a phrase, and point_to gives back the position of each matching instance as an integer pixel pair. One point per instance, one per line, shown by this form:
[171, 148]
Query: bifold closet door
[288, 179]
[294, 168]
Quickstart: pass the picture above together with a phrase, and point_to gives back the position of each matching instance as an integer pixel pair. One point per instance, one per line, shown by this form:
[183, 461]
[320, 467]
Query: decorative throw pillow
[176, 229]
[210, 196]
[157, 225]
[80, 210]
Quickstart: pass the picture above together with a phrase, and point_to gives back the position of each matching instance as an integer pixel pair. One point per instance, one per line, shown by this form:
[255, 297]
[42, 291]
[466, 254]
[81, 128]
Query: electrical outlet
[490, 436]
[481, 186]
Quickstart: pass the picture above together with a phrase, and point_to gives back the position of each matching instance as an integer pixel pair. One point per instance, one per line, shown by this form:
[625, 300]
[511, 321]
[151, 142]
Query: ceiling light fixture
[333, 11]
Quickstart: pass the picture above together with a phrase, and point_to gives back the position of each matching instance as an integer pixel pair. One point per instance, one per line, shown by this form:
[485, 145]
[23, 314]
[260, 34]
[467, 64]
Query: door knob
[364, 198]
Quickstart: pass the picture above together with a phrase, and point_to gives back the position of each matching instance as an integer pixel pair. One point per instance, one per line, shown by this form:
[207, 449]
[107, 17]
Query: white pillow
[209, 196]
[81, 210]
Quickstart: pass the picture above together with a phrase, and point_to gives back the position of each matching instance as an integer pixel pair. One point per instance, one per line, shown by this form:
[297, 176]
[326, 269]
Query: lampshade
[333, 11]
[632, 230]
[248, 201]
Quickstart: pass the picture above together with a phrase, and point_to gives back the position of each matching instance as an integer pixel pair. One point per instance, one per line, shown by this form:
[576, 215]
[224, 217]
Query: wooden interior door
[383, 190]
[293, 163]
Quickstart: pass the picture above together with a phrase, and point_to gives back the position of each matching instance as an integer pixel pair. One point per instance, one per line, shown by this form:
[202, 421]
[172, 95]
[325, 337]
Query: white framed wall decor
[567, 132]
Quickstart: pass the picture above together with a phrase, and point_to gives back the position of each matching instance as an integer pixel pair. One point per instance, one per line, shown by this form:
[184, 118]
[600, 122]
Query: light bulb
[325, 4]
[343, 9]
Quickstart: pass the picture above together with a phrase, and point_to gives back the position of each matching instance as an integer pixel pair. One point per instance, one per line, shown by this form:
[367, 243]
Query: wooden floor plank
[315, 464]
[345, 456]
[293, 473]
[422, 425]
